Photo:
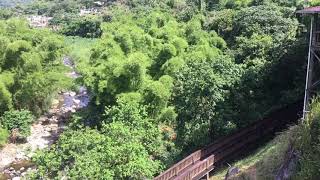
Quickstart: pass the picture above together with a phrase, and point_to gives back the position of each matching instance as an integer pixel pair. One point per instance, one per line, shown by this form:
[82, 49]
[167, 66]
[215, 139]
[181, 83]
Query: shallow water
[82, 94]
[68, 101]
[23, 163]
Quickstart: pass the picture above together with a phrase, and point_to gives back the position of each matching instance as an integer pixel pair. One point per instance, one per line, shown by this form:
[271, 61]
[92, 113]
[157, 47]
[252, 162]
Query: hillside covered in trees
[165, 78]
[12, 3]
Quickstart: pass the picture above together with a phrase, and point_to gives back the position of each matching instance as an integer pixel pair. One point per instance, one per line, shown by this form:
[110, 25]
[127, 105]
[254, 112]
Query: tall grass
[265, 162]
[4, 135]
[79, 48]
[309, 144]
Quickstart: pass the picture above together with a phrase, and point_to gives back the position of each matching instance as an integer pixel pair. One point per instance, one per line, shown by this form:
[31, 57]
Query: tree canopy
[165, 77]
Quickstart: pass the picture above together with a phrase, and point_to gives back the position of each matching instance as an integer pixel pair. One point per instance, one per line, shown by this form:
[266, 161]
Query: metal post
[309, 73]
[207, 176]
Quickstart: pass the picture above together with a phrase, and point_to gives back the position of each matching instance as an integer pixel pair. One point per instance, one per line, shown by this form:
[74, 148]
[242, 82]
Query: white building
[99, 3]
[92, 11]
[39, 21]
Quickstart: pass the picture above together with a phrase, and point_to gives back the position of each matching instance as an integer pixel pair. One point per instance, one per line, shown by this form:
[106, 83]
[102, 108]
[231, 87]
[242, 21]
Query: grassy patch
[4, 135]
[79, 48]
[264, 163]
[248, 162]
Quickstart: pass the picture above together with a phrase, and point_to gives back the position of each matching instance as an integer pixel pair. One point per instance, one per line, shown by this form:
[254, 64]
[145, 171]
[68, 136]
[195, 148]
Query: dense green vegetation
[163, 86]
[18, 119]
[165, 78]
[79, 48]
[308, 144]
[30, 73]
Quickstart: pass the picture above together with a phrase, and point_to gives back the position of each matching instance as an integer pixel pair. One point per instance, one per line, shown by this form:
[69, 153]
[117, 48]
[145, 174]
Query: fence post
[192, 159]
[207, 176]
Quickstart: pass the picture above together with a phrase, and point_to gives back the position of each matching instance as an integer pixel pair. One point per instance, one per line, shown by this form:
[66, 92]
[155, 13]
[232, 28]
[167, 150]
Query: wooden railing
[197, 171]
[202, 161]
[180, 166]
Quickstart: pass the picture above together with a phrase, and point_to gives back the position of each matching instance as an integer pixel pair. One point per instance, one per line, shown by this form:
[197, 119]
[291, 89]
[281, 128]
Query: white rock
[55, 102]
[42, 118]
[54, 127]
[52, 111]
[20, 156]
[54, 119]
[72, 94]
[22, 169]
[76, 101]
[48, 129]
[16, 178]
[68, 109]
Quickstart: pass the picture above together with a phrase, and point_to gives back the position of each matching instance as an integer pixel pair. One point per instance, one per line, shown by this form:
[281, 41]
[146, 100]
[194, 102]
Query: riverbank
[15, 158]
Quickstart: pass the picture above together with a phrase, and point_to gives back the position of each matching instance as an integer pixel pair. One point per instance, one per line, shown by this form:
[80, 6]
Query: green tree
[129, 147]
[18, 119]
[12, 58]
[37, 90]
[199, 89]
[51, 49]
[4, 135]
[83, 26]
[5, 98]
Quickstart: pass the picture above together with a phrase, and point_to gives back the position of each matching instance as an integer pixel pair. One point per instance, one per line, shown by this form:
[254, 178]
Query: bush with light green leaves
[20, 120]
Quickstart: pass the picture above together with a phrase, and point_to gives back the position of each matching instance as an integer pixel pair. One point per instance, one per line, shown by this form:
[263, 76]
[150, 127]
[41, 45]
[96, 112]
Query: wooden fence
[201, 162]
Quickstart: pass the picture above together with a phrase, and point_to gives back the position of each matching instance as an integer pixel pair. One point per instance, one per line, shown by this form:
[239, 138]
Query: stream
[15, 158]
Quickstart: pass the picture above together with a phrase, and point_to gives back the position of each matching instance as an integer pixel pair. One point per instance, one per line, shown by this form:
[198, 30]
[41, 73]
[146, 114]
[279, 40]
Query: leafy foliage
[308, 144]
[30, 74]
[4, 134]
[165, 77]
[31, 69]
[88, 27]
[18, 119]
[205, 84]
[129, 145]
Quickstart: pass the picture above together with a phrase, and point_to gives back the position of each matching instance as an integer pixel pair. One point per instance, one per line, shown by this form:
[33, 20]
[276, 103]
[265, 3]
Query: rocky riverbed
[15, 158]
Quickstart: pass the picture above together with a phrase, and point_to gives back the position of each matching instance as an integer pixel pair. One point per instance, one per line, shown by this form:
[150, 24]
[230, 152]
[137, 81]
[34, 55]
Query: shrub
[4, 134]
[84, 27]
[5, 98]
[309, 166]
[18, 119]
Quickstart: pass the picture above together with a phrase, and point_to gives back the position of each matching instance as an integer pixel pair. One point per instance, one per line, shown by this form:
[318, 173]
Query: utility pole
[312, 81]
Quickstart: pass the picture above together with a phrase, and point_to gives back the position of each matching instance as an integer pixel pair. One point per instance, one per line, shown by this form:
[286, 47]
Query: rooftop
[310, 10]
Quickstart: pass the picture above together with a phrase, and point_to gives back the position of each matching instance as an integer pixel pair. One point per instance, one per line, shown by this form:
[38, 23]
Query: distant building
[39, 21]
[91, 11]
[99, 3]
